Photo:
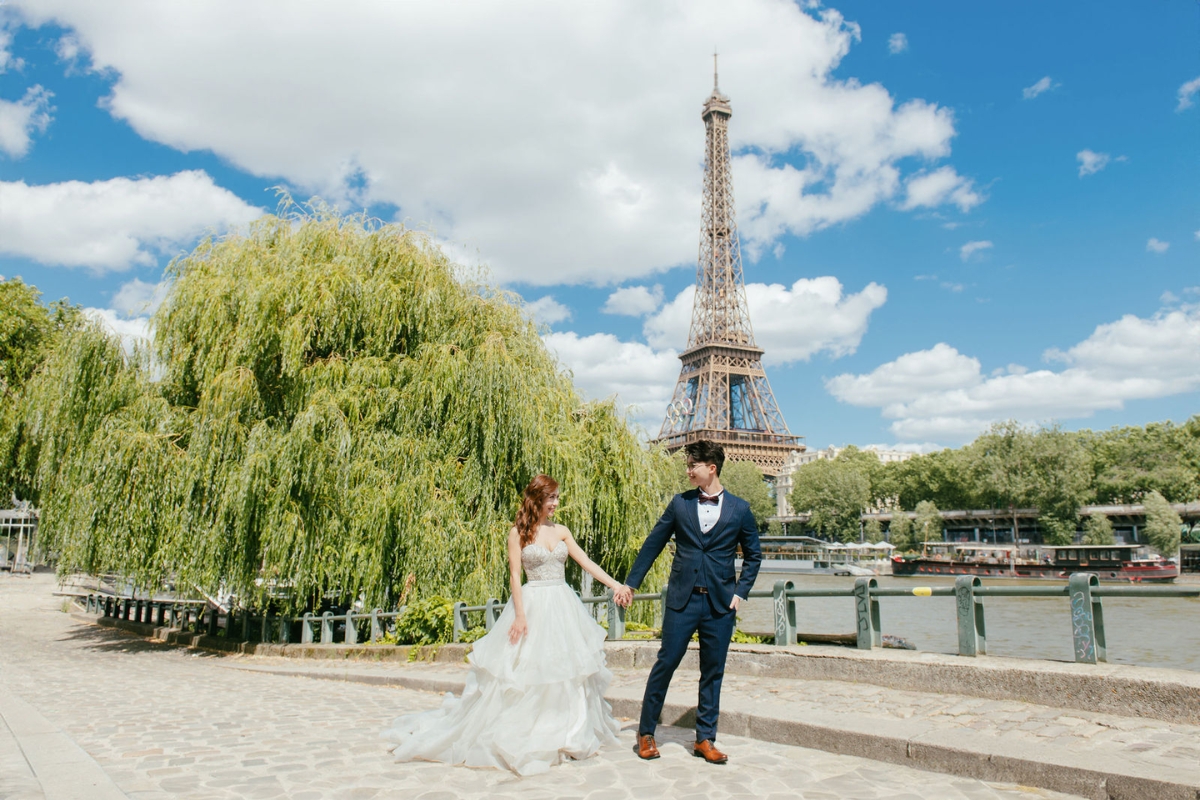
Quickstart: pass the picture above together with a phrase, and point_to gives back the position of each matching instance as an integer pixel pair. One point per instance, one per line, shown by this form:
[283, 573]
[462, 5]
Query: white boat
[804, 555]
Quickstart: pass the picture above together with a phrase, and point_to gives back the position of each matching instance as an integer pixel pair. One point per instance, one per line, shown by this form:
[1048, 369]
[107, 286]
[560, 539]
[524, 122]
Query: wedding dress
[525, 706]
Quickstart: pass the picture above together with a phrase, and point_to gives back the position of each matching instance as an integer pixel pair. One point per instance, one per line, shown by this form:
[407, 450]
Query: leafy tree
[1098, 529]
[928, 525]
[873, 531]
[943, 478]
[1127, 463]
[329, 409]
[901, 530]
[835, 493]
[28, 331]
[745, 479]
[1163, 524]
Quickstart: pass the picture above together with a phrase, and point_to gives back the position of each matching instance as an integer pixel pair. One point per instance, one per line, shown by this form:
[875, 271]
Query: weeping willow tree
[327, 409]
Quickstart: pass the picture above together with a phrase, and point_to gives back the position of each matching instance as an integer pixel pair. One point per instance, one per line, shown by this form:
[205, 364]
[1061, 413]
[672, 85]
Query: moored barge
[1111, 562]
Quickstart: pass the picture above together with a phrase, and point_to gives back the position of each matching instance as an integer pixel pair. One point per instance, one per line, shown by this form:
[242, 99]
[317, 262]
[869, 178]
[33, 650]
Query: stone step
[1090, 754]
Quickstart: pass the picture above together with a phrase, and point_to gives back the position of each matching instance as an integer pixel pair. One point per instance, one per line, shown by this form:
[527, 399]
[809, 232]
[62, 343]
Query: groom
[708, 524]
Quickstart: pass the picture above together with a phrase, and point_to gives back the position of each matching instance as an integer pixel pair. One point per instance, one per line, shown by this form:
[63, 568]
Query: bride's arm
[519, 627]
[589, 566]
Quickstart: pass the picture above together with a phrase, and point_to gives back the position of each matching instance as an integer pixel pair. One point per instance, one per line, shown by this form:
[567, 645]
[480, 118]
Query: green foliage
[901, 532]
[741, 637]
[1163, 524]
[1098, 529]
[873, 531]
[428, 621]
[1127, 463]
[745, 479]
[330, 409]
[835, 493]
[28, 331]
[943, 478]
[928, 525]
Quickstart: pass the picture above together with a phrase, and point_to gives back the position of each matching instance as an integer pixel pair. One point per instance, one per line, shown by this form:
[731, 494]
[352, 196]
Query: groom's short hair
[704, 451]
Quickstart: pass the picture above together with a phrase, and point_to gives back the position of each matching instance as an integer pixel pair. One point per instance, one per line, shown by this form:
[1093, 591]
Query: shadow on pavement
[111, 640]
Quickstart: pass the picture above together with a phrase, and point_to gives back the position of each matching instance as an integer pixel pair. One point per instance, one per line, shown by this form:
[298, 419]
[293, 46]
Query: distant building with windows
[783, 483]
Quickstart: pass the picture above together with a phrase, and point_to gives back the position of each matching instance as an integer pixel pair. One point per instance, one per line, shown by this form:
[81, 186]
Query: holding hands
[623, 596]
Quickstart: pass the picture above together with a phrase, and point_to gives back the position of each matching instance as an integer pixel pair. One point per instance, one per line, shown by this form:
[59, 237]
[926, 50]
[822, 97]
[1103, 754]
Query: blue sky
[951, 213]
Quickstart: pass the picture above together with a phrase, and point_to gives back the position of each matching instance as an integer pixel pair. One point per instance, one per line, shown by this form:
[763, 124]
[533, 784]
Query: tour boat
[804, 555]
[1109, 562]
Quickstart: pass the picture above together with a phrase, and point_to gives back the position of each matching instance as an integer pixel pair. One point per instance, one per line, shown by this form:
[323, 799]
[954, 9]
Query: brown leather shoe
[647, 749]
[709, 753]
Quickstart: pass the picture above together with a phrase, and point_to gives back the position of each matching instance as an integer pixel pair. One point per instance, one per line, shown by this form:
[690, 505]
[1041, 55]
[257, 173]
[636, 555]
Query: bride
[535, 690]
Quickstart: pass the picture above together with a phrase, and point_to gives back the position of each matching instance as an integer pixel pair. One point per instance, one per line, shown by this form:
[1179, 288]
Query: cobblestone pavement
[163, 723]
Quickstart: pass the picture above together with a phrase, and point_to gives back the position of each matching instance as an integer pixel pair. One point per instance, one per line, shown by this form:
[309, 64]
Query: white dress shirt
[710, 512]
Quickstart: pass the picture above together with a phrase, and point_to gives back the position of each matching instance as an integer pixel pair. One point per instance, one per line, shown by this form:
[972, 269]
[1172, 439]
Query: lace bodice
[542, 564]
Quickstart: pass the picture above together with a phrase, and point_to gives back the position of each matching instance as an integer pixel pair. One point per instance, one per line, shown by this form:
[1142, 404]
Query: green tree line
[1013, 467]
[330, 410]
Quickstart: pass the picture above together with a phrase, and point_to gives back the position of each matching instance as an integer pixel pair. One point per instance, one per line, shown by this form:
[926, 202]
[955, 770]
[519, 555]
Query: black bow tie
[714, 500]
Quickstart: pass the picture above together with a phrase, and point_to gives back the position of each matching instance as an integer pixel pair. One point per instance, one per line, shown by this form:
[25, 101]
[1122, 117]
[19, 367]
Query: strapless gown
[528, 706]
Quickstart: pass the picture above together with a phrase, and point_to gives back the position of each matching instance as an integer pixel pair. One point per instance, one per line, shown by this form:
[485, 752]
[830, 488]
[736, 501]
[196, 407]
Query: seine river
[1146, 631]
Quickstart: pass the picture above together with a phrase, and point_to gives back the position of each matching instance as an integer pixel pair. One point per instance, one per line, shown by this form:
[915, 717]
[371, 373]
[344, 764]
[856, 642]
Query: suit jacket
[702, 559]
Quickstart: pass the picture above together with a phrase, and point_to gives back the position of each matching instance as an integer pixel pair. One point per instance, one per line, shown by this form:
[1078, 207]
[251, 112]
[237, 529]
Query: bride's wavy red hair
[530, 513]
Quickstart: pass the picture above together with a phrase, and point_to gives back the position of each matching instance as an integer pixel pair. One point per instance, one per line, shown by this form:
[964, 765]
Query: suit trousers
[678, 626]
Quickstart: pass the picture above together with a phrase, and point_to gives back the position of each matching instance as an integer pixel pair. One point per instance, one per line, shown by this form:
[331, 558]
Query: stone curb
[1169, 695]
[988, 760]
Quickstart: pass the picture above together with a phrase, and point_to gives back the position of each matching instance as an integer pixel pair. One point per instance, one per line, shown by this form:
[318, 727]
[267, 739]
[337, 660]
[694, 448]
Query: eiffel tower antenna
[722, 393]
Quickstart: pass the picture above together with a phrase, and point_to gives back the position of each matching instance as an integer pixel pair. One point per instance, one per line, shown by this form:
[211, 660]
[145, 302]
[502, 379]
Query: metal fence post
[351, 628]
[376, 630]
[616, 619]
[1087, 619]
[306, 632]
[785, 613]
[972, 636]
[285, 630]
[491, 612]
[327, 627]
[460, 619]
[213, 621]
[264, 629]
[866, 613]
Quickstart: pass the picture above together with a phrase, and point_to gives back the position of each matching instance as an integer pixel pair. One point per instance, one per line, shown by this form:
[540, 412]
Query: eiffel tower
[723, 394]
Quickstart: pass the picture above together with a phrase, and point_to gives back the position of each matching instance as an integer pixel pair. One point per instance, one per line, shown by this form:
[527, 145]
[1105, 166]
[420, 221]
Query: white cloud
[944, 185]
[6, 57]
[971, 248]
[897, 43]
[642, 378]
[547, 311]
[634, 301]
[1044, 85]
[20, 119]
[1155, 246]
[941, 394]
[1186, 91]
[114, 224]
[137, 298]
[560, 142]
[133, 331]
[790, 324]
[1091, 162]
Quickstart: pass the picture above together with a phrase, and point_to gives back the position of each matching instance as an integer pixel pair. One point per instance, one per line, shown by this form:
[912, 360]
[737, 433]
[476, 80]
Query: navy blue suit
[701, 560]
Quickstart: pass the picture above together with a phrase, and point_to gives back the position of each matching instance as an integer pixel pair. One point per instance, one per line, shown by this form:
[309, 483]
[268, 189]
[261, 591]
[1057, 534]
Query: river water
[1146, 631]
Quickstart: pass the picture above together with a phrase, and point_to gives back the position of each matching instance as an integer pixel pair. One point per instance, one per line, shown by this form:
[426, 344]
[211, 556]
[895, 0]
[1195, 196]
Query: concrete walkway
[87, 711]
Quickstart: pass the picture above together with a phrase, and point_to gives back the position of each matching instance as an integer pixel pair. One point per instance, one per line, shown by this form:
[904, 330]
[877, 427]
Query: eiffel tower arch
[723, 393]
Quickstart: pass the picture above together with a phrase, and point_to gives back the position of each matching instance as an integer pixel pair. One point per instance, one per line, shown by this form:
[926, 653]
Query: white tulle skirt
[525, 707]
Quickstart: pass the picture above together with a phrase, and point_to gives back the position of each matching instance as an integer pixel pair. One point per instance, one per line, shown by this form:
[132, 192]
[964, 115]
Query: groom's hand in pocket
[735, 602]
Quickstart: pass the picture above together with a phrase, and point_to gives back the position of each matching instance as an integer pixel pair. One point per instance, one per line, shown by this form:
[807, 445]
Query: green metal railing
[1082, 589]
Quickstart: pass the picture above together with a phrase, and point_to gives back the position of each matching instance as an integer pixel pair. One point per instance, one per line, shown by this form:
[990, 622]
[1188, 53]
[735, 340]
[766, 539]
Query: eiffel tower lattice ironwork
[723, 394]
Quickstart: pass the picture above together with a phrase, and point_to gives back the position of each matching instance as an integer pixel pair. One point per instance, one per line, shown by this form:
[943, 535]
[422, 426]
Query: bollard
[459, 613]
[264, 630]
[972, 636]
[616, 619]
[285, 630]
[866, 613]
[1087, 619]
[213, 621]
[785, 613]
[306, 632]
[247, 619]
[351, 628]
[108, 606]
[327, 627]
[124, 608]
[376, 630]
[491, 612]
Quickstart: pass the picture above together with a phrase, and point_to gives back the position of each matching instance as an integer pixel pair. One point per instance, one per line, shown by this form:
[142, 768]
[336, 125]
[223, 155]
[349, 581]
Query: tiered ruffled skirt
[525, 707]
